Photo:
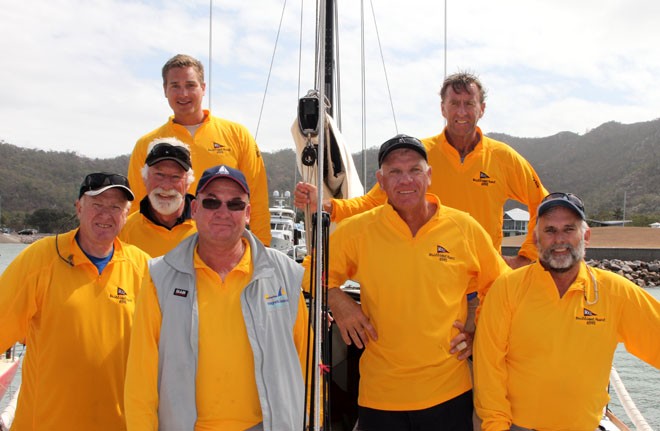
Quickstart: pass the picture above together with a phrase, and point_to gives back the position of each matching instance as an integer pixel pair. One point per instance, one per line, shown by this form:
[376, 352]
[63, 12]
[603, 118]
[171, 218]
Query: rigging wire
[210, 74]
[382, 58]
[270, 70]
[445, 75]
[364, 97]
[337, 74]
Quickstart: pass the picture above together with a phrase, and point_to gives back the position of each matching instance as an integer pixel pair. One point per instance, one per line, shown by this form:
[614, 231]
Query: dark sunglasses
[567, 197]
[232, 205]
[101, 179]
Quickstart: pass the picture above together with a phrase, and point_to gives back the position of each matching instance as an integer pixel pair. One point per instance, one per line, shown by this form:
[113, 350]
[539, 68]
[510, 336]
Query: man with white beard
[164, 218]
[547, 332]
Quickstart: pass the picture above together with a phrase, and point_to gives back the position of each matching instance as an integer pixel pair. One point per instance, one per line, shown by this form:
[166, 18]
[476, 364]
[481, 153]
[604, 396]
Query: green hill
[600, 166]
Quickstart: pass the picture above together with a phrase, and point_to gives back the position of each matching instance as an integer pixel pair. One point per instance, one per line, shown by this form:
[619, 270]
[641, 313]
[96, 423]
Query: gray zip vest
[269, 304]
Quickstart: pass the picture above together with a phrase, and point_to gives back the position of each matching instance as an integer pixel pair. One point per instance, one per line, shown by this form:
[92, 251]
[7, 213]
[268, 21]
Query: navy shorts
[452, 415]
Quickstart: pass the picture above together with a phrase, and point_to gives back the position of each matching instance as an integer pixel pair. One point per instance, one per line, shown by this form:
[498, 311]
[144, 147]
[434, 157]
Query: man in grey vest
[220, 331]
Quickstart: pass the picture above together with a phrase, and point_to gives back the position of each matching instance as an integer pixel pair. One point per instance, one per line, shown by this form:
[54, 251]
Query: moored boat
[8, 368]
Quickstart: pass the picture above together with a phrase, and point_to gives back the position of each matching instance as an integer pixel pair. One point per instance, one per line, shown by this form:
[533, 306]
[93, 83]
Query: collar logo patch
[588, 312]
[484, 179]
[277, 300]
[180, 292]
[441, 253]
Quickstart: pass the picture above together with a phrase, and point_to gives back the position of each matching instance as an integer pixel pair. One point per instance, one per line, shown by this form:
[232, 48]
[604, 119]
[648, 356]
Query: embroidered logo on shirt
[484, 179]
[180, 292]
[219, 148]
[589, 317]
[277, 300]
[441, 253]
[121, 296]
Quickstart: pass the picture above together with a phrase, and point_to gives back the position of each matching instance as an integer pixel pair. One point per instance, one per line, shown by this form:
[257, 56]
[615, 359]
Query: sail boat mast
[329, 56]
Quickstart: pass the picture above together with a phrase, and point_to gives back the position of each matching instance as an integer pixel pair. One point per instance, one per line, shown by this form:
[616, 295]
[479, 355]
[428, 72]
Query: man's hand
[462, 343]
[516, 261]
[353, 325]
[306, 194]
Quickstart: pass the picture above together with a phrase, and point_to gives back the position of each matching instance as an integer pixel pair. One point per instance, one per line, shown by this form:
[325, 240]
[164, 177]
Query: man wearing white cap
[220, 334]
[70, 298]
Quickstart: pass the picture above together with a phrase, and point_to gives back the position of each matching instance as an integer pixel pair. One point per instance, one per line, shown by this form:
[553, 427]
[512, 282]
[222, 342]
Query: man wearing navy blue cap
[547, 332]
[220, 335]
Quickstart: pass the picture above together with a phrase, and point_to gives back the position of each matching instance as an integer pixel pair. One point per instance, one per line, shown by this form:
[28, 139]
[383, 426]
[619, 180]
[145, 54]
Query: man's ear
[379, 177]
[587, 236]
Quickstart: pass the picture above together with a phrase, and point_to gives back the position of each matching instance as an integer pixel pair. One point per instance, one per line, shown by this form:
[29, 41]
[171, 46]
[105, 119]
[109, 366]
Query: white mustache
[166, 193]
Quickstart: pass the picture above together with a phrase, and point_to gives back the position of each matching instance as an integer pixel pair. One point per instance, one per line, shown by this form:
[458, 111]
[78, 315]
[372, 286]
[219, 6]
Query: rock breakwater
[643, 274]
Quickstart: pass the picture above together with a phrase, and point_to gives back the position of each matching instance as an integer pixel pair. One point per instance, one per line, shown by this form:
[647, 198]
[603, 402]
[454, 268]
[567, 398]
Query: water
[641, 379]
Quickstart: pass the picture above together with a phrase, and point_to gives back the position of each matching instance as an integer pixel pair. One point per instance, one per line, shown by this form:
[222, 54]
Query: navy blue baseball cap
[560, 199]
[222, 171]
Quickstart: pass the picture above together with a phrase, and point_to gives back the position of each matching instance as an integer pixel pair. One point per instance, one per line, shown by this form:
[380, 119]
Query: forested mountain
[600, 166]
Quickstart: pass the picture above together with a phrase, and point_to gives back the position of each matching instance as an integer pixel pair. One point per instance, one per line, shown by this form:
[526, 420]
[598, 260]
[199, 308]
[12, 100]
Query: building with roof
[516, 221]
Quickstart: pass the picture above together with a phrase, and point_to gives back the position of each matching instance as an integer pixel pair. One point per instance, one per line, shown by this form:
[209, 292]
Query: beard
[564, 262]
[165, 202]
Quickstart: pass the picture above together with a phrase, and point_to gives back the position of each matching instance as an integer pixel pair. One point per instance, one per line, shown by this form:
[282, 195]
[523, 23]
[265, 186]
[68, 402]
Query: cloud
[84, 76]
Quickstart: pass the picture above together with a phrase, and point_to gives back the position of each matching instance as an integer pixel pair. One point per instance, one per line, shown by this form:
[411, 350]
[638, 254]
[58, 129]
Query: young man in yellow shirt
[212, 140]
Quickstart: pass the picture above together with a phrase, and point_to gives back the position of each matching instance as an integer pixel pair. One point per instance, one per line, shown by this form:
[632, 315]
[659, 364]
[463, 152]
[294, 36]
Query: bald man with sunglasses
[70, 298]
[220, 334]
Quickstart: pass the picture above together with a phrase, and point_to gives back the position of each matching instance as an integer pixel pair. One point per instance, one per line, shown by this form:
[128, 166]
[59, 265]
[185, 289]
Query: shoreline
[13, 238]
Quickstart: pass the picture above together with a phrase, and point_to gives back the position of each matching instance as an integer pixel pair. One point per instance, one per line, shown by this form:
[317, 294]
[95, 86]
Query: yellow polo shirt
[543, 362]
[413, 289]
[76, 325]
[154, 239]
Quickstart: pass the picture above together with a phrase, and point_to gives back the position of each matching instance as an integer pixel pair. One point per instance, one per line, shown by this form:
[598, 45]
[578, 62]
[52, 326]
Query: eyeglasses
[101, 179]
[232, 205]
[570, 197]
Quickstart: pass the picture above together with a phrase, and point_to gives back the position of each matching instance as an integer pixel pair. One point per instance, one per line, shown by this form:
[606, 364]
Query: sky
[84, 75]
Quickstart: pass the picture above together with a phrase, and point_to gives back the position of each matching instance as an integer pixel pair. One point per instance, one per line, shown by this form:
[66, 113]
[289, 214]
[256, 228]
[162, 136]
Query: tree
[48, 220]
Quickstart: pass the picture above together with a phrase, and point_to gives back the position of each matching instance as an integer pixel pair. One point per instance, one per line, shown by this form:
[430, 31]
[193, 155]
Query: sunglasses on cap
[232, 205]
[167, 150]
[99, 180]
[570, 197]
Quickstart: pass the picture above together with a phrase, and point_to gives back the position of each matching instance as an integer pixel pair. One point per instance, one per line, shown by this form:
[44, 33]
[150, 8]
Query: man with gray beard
[547, 332]
[164, 218]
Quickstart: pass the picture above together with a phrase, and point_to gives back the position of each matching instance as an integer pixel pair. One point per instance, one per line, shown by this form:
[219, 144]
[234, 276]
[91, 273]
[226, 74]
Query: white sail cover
[341, 179]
